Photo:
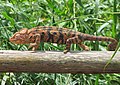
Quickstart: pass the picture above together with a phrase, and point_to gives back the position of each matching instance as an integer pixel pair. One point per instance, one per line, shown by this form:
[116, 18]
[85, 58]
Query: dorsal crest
[23, 31]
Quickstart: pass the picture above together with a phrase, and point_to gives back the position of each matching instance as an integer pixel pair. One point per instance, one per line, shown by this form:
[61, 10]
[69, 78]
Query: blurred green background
[95, 17]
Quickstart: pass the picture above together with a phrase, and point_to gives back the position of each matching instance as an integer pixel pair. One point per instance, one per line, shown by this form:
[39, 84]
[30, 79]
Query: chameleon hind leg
[74, 40]
[84, 47]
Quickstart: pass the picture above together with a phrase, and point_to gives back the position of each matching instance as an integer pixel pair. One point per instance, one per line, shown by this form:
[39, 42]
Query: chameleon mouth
[14, 41]
[11, 40]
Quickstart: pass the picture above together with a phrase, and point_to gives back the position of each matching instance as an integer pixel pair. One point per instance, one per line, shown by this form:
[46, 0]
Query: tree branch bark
[57, 62]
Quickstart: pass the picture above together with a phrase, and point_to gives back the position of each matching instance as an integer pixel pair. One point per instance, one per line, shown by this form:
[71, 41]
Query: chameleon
[53, 34]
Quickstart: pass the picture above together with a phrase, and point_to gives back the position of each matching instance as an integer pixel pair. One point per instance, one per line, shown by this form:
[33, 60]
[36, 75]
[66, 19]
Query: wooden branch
[57, 62]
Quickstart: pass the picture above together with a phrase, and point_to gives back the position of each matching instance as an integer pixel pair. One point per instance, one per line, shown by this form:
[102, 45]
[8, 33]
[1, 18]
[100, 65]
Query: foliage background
[96, 17]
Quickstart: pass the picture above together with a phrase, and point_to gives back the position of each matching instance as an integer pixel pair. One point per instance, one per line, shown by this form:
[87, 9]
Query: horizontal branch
[57, 62]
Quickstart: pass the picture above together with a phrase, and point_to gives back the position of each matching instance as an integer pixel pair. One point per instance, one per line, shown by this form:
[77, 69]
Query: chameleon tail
[111, 47]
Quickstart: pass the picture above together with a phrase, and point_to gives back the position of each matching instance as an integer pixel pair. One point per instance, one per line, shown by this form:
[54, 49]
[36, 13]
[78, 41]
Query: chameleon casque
[57, 35]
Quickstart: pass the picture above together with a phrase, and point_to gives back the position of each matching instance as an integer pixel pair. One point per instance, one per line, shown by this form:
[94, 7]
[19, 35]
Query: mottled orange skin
[57, 35]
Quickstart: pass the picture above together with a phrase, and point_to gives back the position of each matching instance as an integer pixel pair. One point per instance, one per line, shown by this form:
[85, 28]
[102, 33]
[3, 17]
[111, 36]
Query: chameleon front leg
[74, 40]
[35, 45]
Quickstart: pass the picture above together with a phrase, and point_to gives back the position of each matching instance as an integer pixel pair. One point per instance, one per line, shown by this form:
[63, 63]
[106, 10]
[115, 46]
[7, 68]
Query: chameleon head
[20, 37]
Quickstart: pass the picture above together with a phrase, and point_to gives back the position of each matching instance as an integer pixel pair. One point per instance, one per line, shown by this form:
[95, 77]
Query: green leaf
[80, 3]
[8, 18]
[103, 26]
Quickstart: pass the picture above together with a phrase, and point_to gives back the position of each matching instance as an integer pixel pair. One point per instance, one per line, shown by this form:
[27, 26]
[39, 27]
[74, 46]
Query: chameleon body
[57, 35]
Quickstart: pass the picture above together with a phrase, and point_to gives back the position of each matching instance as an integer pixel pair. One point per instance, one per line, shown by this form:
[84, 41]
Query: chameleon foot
[65, 51]
[86, 48]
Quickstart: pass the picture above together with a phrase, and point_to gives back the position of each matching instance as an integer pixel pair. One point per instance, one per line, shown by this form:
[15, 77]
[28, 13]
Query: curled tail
[111, 47]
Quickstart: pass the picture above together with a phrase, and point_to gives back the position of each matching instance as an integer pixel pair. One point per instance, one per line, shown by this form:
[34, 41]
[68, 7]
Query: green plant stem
[109, 61]
[96, 16]
[114, 19]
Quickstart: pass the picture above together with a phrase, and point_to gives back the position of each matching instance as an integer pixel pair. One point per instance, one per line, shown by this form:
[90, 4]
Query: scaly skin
[57, 35]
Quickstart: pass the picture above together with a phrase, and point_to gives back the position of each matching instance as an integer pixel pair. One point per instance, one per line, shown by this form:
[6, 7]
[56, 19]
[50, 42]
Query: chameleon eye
[54, 33]
[17, 36]
[30, 37]
[43, 33]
